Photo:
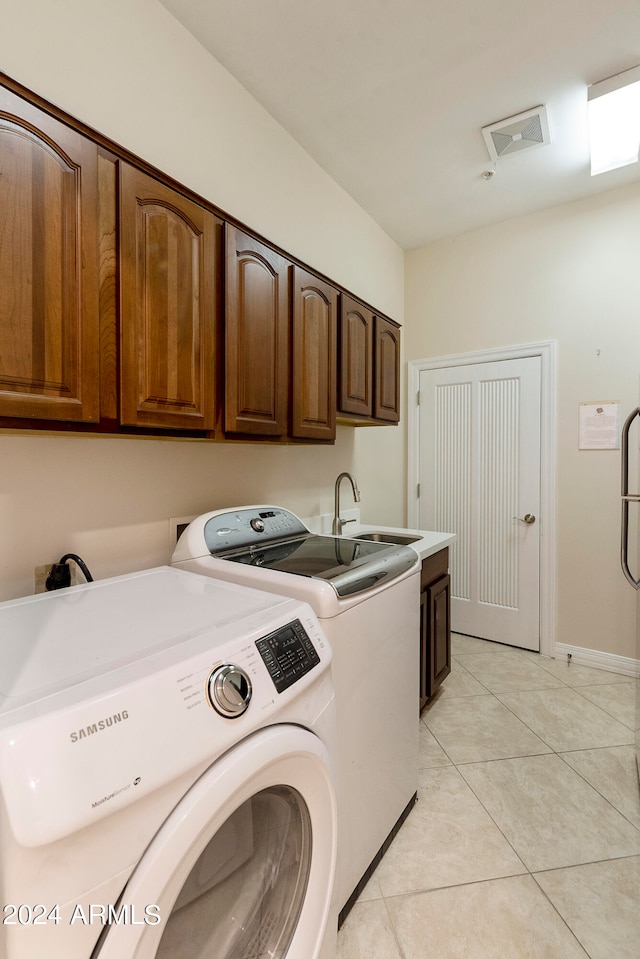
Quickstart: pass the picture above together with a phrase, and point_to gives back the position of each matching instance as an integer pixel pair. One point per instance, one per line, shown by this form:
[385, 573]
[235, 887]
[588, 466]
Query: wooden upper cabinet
[122, 306]
[314, 349]
[355, 393]
[168, 267]
[369, 379]
[387, 373]
[256, 337]
[49, 325]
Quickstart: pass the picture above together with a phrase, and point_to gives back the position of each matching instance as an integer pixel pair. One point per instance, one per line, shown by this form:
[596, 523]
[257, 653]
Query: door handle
[627, 498]
[528, 518]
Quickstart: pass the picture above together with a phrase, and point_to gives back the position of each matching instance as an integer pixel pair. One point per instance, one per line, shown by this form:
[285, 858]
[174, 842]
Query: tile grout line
[554, 751]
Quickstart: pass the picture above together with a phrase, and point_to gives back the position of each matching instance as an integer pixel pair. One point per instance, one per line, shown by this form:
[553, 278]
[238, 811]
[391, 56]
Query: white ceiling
[389, 96]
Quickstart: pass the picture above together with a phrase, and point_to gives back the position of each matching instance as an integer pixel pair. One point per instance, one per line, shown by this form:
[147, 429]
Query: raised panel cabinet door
[314, 349]
[387, 383]
[256, 337]
[49, 319]
[435, 623]
[356, 358]
[168, 275]
[439, 605]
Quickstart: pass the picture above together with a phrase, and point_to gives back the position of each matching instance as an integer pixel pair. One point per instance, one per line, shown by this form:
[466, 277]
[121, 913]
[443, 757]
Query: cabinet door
[256, 337]
[356, 358]
[387, 381]
[314, 347]
[435, 623]
[438, 605]
[49, 333]
[168, 306]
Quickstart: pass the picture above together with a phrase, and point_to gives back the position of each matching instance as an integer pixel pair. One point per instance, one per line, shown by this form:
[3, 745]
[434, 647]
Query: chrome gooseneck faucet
[338, 524]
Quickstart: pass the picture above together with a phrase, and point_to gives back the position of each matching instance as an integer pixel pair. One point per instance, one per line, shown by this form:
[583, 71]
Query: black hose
[79, 562]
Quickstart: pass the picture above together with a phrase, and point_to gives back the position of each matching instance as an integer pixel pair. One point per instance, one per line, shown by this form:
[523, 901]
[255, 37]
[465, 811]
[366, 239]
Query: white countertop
[429, 542]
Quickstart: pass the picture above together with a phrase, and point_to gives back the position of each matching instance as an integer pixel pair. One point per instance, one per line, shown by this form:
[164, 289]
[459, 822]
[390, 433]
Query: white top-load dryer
[367, 598]
[166, 773]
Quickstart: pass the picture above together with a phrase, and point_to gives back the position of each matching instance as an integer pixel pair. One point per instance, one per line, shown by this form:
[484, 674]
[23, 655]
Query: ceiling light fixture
[614, 121]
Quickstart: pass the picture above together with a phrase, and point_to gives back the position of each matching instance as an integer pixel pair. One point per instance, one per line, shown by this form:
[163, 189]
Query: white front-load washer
[166, 773]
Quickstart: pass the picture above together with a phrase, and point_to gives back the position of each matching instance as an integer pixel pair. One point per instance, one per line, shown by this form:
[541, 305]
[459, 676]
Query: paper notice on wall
[600, 426]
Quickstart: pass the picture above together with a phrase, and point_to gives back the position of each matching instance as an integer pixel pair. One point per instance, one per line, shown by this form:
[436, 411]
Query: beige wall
[129, 70]
[569, 274]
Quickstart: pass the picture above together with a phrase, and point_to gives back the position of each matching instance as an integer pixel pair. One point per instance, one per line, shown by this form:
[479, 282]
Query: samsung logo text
[98, 727]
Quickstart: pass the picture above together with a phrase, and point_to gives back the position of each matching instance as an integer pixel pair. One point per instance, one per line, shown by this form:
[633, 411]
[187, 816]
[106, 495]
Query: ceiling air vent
[530, 129]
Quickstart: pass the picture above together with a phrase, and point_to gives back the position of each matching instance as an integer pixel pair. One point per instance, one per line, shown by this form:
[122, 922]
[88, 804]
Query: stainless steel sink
[396, 539]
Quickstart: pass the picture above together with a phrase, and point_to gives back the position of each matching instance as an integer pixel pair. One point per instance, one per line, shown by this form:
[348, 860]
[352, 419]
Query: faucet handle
[339, 524]
[342, 523]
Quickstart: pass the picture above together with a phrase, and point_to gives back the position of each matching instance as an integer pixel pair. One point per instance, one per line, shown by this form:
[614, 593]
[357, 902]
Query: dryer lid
[55, 641]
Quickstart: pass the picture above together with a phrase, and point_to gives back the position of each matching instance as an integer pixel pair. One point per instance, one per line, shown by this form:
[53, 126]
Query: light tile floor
[525, 842]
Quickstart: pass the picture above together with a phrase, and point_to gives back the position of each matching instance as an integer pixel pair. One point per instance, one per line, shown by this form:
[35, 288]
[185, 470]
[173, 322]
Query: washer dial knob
[257, 524]
[229, 690]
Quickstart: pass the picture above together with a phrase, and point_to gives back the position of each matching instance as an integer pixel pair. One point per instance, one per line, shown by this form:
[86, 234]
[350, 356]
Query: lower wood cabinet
[435, 624]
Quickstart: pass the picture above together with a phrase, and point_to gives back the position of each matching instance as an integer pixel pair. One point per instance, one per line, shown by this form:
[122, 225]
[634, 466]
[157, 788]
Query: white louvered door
[479, 477]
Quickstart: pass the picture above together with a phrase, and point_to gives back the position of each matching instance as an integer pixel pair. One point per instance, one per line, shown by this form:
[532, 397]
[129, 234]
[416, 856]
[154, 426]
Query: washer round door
[243, 867]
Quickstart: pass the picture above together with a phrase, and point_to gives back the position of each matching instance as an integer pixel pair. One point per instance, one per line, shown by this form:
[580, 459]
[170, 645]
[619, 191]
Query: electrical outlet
[177, 526]
[41, 573]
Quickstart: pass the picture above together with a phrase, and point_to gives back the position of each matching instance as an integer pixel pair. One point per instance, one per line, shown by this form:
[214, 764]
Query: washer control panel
[244, 528]
[288, 654]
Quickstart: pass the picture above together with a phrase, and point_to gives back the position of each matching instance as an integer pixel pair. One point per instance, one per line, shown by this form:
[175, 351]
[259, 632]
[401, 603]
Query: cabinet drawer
[433, 567]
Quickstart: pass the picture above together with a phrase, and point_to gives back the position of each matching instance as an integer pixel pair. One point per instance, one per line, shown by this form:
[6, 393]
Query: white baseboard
[598, 659]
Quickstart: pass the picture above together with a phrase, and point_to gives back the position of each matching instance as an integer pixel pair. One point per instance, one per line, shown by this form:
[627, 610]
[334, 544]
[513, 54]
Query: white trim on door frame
[546, 350]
